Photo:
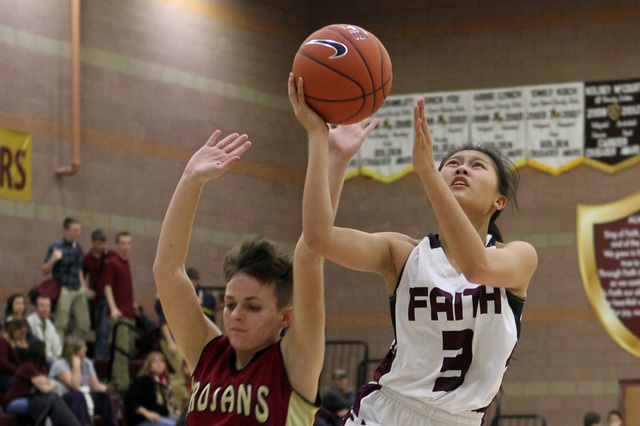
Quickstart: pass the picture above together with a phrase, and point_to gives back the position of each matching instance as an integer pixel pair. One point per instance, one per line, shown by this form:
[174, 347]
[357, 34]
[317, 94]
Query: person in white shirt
[42, 327]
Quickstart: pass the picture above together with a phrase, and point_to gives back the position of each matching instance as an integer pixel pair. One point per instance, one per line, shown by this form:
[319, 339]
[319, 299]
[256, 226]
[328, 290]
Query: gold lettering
[262, 408]
[214, 400]
[227, 399]
[244, 399]
[196, 387]
[204, 397]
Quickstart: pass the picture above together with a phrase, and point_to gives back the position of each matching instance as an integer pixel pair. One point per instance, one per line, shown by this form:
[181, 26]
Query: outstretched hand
[423, 144]
[309, 119]
[346, 140]
[215, 158]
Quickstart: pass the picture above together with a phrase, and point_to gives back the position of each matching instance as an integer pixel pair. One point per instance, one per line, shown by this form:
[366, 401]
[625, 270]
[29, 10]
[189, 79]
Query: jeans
[103, 329]
[19, 407]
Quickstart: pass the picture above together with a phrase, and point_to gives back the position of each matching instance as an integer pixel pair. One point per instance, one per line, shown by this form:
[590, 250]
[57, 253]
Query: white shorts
[387, 408]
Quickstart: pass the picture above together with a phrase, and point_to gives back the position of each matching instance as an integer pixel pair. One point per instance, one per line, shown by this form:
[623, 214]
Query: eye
[478, 164]
[451, 163]
[254, 308]
[230, 306]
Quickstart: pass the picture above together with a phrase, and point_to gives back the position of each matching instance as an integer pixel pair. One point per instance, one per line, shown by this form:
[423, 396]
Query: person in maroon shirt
[32, 375]
[9, 356]
[118, 290]
[92, 268]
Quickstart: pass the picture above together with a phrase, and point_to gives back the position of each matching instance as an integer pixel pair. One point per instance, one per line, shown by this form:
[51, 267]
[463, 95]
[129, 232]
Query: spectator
[64, 262]
[15, 308]
[614, 418]
[175, 361]
[78, 384]
[206, 298]
[338, 399]
[9, 356]
[149, 401]
[118, 290]
[43, 329]
[32, 393]
[591, 419]
[92, 267]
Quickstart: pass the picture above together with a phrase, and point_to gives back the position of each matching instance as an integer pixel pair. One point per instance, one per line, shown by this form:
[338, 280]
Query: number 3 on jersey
[455, 341]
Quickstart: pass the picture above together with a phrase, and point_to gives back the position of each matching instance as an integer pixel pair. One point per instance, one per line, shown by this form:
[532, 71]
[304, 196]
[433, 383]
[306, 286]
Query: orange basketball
[346, 73]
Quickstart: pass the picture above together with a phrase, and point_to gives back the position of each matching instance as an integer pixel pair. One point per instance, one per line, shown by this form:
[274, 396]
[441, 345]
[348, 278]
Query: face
[18, 306]
[72, 233]
[123, 246]
[158, 366]
[341, 384]
[472, 177]
[97, 246]
[43, 307]
[251, 318]
[82, 352]
[20, 334]
[614, 420]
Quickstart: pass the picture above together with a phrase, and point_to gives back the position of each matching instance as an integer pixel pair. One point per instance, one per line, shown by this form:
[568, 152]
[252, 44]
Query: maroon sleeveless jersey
[259, 394]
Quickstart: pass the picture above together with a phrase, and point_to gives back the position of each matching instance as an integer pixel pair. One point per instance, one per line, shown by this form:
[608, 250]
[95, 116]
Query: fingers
[212, 139]
[370, 126]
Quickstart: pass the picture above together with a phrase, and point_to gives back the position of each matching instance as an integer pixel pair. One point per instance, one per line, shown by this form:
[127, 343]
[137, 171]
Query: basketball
[346, 73]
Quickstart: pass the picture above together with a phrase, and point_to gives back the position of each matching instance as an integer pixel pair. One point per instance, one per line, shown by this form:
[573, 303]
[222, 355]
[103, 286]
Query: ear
[287, 314]
[500, 202]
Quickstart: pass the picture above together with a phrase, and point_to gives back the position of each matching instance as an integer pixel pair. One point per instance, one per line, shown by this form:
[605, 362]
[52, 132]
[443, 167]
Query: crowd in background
[86, 348]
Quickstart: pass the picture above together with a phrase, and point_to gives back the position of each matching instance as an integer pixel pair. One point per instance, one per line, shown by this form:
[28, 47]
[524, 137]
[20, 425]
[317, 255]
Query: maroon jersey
[259, 394]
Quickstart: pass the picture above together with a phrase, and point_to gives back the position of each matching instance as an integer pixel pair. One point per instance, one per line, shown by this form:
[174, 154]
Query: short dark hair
[68, 221]
[98, 235]
[122, 234]
[591, 419]
[262, 260]
[508, 177]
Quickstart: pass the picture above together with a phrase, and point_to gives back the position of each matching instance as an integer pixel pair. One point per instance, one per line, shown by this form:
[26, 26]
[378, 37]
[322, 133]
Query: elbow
[317, 242]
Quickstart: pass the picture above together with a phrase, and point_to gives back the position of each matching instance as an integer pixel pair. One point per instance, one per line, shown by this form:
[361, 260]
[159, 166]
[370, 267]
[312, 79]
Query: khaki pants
[125, 339]
[72, 302]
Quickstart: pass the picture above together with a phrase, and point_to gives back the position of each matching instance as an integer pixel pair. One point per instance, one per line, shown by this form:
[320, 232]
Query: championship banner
[15, 165]
[386, 155]
[498, 118]
[555, 126]
[609, 257]
[448, 115]
[612, 134]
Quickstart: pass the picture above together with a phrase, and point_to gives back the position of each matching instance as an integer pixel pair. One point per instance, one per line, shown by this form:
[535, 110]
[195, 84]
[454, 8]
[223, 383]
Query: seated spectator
[32, 393]
[149, 401]
[175, 361]
[15, 308]
[9, 357]
[16, 334]
[79, 386]
[42, 328]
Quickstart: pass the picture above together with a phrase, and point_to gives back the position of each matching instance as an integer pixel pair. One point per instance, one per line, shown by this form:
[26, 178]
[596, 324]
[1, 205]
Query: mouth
[459, 181]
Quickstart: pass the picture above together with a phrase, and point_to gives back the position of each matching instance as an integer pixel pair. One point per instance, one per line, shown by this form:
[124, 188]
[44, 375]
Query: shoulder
[59, 366]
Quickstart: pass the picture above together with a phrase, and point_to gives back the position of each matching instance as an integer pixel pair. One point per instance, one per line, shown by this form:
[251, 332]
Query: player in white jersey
[456, 303]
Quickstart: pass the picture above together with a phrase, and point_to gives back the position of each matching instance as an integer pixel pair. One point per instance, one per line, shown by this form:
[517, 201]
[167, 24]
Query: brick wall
[158, 76]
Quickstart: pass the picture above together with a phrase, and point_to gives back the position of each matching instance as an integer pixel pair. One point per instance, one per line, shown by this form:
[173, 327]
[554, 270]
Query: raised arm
[383, 253]
[303, 345]
[511, 266]
[191, 329]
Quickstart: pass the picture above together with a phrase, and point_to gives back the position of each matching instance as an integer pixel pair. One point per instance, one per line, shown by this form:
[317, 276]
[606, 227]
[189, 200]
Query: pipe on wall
[73, 168]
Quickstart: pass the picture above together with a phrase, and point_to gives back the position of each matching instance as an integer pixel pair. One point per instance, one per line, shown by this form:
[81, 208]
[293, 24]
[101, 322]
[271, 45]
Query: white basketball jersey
[454, 338]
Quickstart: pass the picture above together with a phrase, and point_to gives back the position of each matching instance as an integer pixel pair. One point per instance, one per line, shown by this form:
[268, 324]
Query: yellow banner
[15, 165]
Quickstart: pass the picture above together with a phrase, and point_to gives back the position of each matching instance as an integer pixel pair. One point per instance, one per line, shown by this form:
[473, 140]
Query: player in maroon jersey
[250, 376]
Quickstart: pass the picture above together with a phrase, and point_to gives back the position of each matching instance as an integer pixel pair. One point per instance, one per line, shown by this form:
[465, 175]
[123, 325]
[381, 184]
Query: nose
[461, 170]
